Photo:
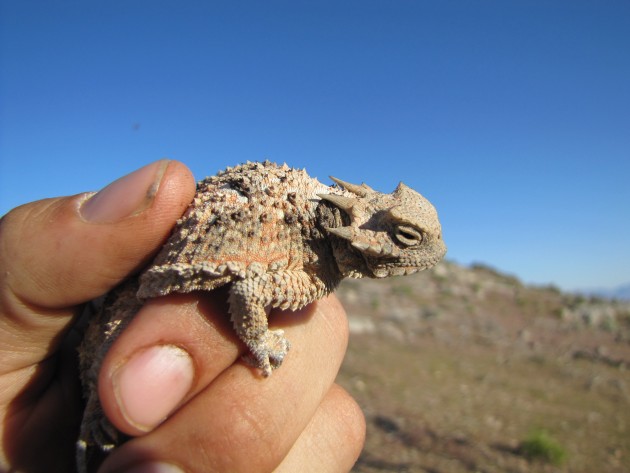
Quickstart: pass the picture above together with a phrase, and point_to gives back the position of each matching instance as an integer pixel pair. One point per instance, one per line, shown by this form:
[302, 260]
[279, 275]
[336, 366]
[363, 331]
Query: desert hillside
[468, 370]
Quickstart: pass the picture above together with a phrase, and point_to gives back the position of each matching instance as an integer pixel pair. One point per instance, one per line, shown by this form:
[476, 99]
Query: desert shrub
[402, 290]
[540, 446]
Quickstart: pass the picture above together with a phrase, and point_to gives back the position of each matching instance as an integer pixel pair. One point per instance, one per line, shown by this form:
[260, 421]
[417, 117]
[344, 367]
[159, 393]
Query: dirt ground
[456, 368]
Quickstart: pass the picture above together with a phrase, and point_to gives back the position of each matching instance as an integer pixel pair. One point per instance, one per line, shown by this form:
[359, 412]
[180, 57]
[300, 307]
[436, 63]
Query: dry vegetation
[467, 370]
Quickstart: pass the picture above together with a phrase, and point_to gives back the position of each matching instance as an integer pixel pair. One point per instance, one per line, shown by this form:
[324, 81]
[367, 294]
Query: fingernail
[152, 383]
[154, 467]
[129, 195]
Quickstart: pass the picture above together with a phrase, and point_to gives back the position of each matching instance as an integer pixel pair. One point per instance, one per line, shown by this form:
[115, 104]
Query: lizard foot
[268, 351]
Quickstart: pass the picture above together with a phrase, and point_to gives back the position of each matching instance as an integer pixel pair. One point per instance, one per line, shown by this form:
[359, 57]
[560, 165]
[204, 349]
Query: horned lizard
[280, 238]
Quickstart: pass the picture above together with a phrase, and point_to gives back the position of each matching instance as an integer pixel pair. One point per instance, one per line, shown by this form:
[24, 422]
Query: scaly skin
[279, 238]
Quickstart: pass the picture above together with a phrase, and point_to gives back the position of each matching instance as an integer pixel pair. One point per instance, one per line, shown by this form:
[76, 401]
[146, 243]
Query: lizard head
[395, 234]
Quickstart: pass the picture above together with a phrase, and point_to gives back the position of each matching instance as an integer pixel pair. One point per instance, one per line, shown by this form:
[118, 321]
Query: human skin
[174, 380]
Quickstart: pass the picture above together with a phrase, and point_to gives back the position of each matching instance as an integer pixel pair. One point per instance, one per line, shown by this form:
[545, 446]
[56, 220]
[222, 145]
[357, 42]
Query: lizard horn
[361, 190]
[344, 203]
[402, 188]
[342, 232]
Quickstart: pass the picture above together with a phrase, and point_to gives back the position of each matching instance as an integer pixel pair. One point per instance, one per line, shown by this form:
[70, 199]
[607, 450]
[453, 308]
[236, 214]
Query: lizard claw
[268, 351]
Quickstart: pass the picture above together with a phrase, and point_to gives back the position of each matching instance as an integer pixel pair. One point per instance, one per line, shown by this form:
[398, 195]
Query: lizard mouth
[394, 271]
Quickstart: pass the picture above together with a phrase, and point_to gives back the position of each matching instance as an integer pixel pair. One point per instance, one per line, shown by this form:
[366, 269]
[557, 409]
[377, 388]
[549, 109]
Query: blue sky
[513, 118]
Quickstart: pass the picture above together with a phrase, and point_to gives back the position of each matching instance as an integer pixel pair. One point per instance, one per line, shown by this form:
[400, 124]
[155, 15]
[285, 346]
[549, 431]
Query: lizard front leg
[248, 299]
[291, 289]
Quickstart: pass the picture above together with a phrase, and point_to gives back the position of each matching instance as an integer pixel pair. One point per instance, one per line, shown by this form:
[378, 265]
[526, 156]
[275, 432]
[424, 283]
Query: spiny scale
[278, 238]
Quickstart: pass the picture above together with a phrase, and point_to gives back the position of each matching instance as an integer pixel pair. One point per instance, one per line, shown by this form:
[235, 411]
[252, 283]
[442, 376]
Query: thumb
[58, 253]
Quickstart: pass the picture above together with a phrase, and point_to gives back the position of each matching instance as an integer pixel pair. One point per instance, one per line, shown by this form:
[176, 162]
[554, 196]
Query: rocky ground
[468, 370]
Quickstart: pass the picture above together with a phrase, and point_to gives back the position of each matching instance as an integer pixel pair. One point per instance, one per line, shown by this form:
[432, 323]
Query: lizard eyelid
[408, 236]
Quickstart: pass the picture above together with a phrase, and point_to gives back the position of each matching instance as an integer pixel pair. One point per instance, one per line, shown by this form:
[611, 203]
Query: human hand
[174, 379]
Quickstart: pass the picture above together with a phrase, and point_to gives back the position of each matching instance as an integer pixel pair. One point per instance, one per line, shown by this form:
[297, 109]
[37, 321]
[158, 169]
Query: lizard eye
[408, 236]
